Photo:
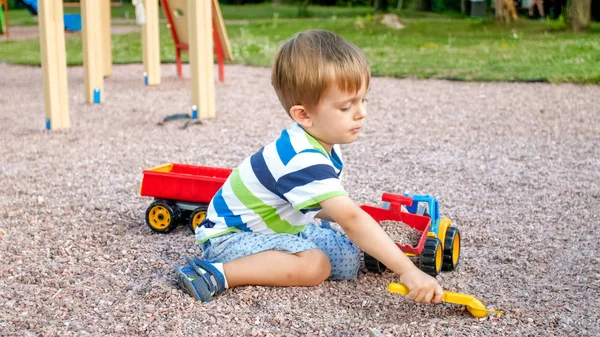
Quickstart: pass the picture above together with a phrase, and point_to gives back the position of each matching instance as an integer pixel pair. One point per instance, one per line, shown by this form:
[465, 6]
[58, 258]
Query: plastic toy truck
[181, 194]
[441, 248]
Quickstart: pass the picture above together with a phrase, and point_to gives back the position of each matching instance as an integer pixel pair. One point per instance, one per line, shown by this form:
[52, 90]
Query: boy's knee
[316, 267]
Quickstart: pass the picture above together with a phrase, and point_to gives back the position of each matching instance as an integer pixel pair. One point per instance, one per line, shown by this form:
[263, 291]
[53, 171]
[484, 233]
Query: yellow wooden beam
[54, 63]
[106, 37]
[151, 43]
[201, 57]
[221, 31]
[93, 68]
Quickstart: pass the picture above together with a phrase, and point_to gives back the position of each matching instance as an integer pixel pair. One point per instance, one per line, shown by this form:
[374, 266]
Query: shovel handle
[449, 297]
[398, 288]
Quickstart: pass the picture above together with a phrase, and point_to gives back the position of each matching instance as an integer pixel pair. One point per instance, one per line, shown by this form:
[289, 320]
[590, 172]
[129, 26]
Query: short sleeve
[311, 180]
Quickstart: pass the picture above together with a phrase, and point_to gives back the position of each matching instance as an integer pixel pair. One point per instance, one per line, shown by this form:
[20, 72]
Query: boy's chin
[350, 140]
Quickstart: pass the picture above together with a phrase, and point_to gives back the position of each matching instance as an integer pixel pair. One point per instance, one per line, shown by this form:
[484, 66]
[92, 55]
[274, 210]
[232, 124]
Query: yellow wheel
[451, 249]
[162, 216]
[196, 218]
[443, 226]
[431, 257]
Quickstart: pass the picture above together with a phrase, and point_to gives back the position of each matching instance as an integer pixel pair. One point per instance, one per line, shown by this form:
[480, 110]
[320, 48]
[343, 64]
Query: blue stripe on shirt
[335, 159]
[223, 211]
[262, 173]
[312, 150]
[305, 176]
[304, 211]
[285, 150]
[337, 162]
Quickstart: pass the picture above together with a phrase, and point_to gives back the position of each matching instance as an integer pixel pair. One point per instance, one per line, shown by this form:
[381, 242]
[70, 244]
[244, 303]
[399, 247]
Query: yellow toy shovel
[475, 307]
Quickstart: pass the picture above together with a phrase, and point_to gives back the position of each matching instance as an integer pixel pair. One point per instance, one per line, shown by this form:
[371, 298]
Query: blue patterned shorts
[343, 253]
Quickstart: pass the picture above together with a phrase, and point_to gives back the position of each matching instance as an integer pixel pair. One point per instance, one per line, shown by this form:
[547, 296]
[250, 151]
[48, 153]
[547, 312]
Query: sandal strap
[202, 278]
[199, 285]
[216, 281]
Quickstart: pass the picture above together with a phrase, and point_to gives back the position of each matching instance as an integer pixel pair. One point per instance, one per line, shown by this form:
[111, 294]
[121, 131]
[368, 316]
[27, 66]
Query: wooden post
[201, 58]
[105, 16]
[93, 68]
[151, 43]
[221, 30]
[54, 63]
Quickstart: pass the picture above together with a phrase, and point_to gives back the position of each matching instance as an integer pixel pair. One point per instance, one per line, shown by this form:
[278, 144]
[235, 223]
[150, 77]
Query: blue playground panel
[72, 21]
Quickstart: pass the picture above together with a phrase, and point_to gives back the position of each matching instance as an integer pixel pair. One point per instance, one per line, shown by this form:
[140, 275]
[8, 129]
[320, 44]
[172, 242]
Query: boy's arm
[323, 215]
[366, 233]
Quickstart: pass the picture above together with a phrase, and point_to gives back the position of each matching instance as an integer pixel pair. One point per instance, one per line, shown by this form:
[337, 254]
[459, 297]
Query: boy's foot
[201, 279]
[193, 284]
[212, 271]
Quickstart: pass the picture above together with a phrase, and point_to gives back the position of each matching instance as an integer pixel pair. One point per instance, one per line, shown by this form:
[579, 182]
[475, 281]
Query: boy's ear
[300, 115]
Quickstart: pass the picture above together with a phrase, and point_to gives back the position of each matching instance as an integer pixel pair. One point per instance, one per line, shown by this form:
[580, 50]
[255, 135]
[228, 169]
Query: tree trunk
[399, 7]
[498, 6]
[578, 14]
[424, 5]
[381, 6]
[303, 8]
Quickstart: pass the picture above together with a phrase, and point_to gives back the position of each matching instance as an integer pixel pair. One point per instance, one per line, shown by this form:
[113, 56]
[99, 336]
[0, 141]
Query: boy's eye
[346, 109]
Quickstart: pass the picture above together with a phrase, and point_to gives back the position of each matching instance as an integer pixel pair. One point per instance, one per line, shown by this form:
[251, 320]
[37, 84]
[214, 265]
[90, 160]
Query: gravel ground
[401, 233]
[515, 166]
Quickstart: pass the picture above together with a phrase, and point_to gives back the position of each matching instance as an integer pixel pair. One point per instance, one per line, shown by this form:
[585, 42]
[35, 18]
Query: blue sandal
[194, 284]
[214, 278]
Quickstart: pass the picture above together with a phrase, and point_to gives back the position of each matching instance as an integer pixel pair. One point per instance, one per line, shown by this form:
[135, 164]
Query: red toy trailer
[182, 194]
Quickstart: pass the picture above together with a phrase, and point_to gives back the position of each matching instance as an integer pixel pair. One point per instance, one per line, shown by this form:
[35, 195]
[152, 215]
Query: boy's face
[337, 119]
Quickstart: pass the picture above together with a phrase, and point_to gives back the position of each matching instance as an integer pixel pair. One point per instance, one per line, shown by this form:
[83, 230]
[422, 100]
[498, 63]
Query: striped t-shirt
[276, 190]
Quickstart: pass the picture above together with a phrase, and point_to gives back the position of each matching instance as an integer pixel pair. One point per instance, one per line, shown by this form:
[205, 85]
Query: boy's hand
[363, 230]
[423, 288]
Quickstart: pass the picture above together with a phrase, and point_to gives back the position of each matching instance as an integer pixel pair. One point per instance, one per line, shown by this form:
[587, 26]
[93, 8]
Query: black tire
[373, 265]
[197, 216]
[163, 216]
[451, 249]
[430, 260]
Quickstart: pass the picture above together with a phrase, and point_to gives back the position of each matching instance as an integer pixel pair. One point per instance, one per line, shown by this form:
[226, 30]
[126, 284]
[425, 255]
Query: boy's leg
[277, 268]
[342, 253]
[245, 258]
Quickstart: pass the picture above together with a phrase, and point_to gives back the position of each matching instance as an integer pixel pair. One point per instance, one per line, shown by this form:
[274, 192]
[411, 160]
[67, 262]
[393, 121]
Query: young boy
[260, 226]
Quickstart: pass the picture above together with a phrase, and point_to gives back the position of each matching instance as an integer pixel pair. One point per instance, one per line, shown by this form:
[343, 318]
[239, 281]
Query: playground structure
[199, 18]
[72, 21]
[173, 10]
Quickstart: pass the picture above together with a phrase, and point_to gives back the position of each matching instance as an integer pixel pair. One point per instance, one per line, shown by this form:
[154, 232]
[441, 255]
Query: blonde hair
[308, 63]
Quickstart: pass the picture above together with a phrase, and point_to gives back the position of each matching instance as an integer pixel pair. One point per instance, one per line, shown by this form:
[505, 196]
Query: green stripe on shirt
[316, 144]
[314, 202]
[267, 213]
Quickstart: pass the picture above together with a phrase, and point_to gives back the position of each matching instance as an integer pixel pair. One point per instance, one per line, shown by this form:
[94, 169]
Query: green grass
[457, 49]
[22, 17]
[432, 47]
[268, 11]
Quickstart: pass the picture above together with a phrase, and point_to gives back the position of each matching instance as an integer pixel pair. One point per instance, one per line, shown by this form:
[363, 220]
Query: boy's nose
[361, 112]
